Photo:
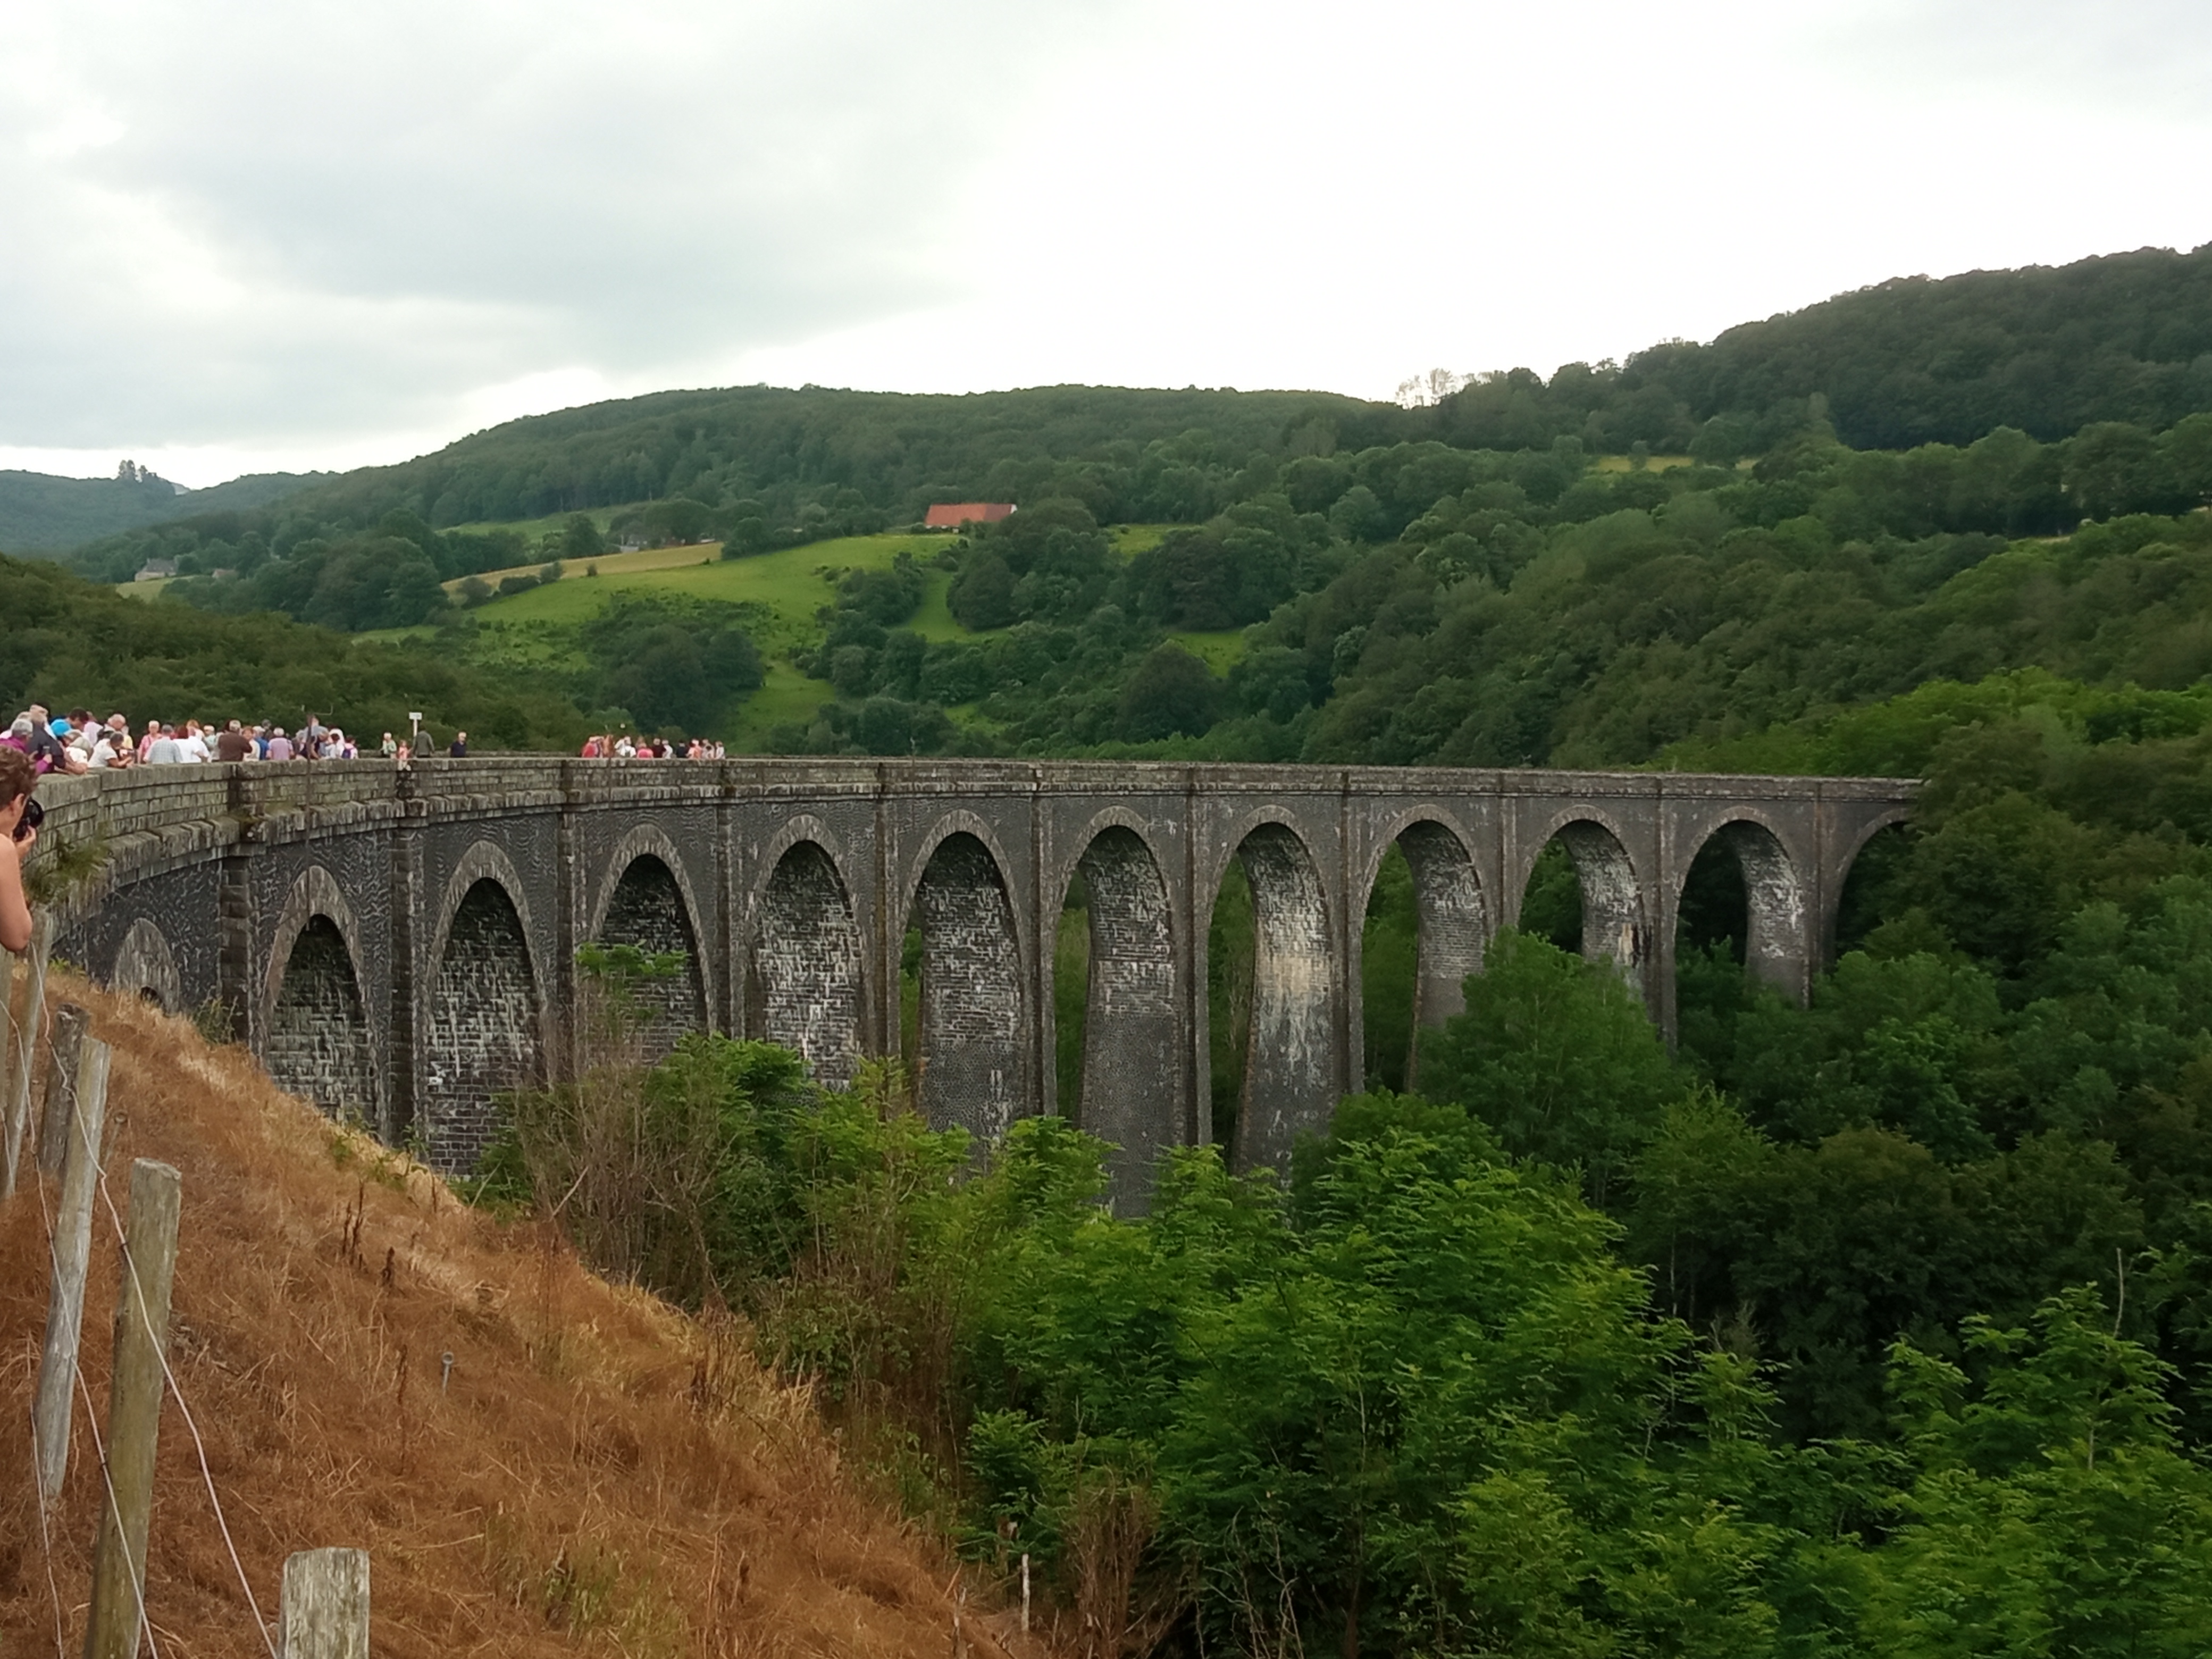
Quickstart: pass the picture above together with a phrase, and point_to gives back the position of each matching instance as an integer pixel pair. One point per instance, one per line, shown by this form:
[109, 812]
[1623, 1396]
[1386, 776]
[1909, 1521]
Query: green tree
[580, 537]
[2052, 1509]
[1172, 691]
[982, 595]
[1558, 1056]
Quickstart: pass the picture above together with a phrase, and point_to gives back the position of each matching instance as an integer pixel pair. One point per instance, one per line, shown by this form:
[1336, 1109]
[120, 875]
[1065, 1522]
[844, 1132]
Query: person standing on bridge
[19, 775]
[460, 746]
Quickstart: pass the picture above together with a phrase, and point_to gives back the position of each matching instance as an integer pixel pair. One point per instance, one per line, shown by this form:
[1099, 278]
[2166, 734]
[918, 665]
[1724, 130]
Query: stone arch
[1840, 862]
[1614, 926]
[1136, 1086]
[145, 964]
[1778, 943]
[1452, 913]
[485, 1026]
[1293, 1067]
[645, 901]
[1888, 818]
[314, 1024]
[807, 989]
[975, 1061]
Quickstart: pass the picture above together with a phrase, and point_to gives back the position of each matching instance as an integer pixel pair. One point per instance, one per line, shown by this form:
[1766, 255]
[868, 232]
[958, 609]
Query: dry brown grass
[602, 1474]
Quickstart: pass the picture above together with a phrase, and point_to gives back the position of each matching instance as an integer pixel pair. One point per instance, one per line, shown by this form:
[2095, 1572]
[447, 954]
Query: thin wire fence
[184, 1406]
[176, 1390]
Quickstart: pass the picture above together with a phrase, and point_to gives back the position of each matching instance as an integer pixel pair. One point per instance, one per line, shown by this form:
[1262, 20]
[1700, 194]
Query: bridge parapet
[423, 924]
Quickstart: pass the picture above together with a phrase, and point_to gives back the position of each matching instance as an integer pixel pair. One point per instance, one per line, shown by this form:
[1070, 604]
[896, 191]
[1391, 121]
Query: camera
[33, 816]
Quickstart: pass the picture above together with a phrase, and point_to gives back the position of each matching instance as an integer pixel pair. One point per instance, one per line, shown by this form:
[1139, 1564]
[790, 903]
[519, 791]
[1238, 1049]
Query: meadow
[784, 592]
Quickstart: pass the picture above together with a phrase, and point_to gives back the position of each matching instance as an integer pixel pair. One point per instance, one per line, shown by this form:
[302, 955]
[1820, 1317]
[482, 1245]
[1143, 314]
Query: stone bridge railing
[401, 945]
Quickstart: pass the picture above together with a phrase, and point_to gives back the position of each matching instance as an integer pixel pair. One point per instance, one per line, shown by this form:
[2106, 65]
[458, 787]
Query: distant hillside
[69, 644]
[40, 512]
[2047, 350]
[891, 452]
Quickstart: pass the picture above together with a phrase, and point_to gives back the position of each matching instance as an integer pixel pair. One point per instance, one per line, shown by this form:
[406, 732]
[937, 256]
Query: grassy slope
[601, 1472]
[789, 586]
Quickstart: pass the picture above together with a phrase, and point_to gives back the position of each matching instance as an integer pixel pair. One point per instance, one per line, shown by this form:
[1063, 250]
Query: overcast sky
[243, 235]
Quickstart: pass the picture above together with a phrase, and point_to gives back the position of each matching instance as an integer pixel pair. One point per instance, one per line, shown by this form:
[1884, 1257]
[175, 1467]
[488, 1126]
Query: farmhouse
[155, 570]
[951, 515]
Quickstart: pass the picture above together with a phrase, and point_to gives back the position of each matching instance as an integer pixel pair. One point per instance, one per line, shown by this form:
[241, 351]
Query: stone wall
[317, 1046]
[973, 1059]
[461, 891]
[807, 957]
[483, 1037]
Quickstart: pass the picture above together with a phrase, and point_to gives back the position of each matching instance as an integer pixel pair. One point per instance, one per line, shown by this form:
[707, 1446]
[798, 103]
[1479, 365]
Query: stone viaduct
[399, 946]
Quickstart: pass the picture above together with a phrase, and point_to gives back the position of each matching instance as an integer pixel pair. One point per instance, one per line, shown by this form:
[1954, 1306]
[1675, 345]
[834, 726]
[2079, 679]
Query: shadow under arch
[648, 906]
[1857, 883]
[1293, 1069]
[1778, 943]
[315, 1038]
[1135, 1092]
[485, 1022]
[807, 988]
[144, 963]
[972, 1058]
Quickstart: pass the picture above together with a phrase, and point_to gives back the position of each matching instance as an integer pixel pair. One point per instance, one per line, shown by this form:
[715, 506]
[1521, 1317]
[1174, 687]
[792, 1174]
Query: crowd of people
[78, 742]
[39, 742]
[617, 745]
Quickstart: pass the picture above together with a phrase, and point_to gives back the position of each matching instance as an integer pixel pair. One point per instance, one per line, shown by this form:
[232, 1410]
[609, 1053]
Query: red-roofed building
[951, 515]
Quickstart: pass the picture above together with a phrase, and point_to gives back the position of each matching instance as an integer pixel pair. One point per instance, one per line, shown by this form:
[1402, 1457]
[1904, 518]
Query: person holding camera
[19, 832]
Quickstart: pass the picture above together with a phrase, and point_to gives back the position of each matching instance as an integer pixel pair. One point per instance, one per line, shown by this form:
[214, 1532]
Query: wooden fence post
[26, 1013]
[71, 1024]
[325, 1608]
[134, 1411]
[86, 1104]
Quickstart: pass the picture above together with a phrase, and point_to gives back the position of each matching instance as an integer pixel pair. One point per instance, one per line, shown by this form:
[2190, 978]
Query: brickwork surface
[483, 1037]
[1293, 1071]
[973, 1019]
[1134, 1070]
[1454, 922]
[318, 1044]
[1614, 927]
[647, 911]
[806, 965]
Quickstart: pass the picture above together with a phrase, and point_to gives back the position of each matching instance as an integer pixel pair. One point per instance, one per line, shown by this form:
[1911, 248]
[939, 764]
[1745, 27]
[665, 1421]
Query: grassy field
[533, 528]
[791, 583]
[644, 559]
[1218, 651]
[785, 589]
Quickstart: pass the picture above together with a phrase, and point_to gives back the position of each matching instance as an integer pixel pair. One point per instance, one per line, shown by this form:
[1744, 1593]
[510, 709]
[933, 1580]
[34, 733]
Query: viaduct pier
[399, 946]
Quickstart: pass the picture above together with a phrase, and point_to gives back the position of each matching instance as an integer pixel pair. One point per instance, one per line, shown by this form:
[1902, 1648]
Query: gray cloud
[288, 233]
[2135, 56]
[257, 217]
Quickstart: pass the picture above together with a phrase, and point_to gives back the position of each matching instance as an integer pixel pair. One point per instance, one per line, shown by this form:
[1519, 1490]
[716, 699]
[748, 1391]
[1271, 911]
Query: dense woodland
[1877, 1326]
[1423, 604]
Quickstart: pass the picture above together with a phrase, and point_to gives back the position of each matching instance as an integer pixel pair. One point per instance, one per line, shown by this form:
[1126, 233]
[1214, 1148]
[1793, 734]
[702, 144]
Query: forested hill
[41, 513]
[843, 451]
[2124, 339]
[1913, 361]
